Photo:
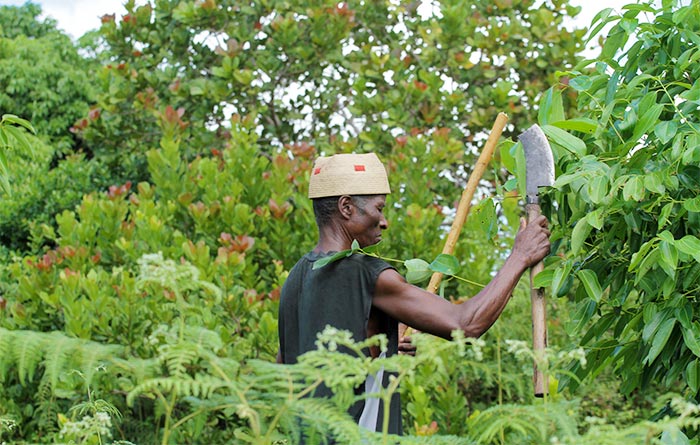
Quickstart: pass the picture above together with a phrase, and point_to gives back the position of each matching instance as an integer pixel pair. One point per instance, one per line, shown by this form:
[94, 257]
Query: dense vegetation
[149, 224]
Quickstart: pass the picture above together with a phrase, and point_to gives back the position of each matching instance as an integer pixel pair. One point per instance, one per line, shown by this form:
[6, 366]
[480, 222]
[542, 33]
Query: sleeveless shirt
[340, 295]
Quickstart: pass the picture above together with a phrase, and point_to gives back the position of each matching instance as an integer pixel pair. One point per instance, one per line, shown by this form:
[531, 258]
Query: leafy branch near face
[12, 136]
[417, 270]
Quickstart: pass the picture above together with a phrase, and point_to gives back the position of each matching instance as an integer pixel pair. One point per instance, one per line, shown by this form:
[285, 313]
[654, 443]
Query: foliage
[192, 208]
[627, 199]
[44, 79]
[387, 78]
[12, 137]
[23, 20]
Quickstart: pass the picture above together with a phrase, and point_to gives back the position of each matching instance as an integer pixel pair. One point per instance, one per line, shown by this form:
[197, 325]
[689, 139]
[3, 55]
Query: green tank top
[340, 295]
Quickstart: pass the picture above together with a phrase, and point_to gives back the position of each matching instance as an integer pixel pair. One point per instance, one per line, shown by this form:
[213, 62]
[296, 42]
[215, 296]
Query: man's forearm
[482, 310]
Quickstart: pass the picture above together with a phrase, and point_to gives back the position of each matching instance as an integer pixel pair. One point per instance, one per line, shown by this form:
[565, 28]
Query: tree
[42, 77]
[335, 76]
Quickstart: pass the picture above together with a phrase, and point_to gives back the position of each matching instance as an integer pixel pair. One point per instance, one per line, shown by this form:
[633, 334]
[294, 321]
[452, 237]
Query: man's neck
[332, 239]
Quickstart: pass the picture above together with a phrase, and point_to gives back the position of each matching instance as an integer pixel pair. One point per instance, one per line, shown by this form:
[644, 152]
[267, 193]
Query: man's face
[368, 220]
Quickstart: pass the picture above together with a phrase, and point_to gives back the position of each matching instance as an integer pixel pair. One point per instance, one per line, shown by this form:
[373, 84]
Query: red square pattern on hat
[317, 171]
[359, 168]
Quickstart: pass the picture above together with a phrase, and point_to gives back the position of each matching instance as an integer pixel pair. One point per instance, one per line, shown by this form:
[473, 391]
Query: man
[366, 295]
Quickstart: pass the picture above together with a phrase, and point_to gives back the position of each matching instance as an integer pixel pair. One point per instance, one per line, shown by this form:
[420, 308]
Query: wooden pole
[466, 200]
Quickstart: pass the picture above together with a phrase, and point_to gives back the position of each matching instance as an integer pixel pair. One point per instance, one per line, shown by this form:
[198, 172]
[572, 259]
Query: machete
[539, 173]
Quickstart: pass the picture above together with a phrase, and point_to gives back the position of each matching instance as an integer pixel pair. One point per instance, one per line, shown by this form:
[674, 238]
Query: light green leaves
[689, 245]
[570, 142]
[417, 270]
[12, 137]
[590, 283]
[666, 130]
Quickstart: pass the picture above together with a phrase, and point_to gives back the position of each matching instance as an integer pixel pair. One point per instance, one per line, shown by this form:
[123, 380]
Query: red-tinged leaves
[278, 210]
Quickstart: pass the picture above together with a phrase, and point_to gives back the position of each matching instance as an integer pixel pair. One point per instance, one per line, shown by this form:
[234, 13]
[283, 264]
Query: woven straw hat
[348, 174]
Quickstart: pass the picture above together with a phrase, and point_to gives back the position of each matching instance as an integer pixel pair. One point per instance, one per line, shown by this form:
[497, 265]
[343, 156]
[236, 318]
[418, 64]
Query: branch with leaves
[417, 270]
[12, 137]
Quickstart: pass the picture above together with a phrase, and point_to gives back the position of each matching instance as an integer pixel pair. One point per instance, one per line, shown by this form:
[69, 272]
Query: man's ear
[345, 207]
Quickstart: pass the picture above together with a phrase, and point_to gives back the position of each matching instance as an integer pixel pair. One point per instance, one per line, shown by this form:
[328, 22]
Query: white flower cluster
[477, 349]
[519, 348]
[575, 354]
[329, 338]
[100, 423]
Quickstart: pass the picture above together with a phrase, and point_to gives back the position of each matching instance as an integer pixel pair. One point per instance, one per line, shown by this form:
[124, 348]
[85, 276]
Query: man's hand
[406, 346]
[532, 241]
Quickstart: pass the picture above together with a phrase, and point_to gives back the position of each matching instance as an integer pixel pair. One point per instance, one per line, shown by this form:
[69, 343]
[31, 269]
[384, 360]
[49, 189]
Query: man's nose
[383, 223]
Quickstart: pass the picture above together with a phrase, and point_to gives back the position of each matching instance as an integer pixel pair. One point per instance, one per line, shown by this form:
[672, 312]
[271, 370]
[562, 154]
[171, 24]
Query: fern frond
[527, 424]
[27, 352]
[178, 357]
[204, 338]
[202, 386]
[6, 343]
[62, 348]
[321, 418]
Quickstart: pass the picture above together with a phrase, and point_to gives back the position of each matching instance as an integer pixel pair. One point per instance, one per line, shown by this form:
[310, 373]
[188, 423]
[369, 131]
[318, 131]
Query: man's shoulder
[370, 262]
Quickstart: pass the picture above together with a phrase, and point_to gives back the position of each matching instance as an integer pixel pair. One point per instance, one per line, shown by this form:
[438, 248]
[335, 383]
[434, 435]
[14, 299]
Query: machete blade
[538, 159]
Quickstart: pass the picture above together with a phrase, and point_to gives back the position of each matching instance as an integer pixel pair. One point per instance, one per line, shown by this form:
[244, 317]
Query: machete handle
[539, 316]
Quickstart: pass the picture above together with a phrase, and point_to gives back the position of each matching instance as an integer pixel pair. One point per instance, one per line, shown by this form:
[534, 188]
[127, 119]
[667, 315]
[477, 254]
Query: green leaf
[485, 214]
[666, 130]
[664, 214]
[689, 245]
[566, 140]
[598, 188]
[551, 107]
[581, 231]
[580, 83]
[331, 258]
[543, 279]
[660, 339]
[647, 121]
[12, 119]
[648, 263]
[633, 189]
[561, 274]
[354, 246]
[654, 183]
[445, 264]
[674, 436]
[691, 340]
[507, 158]
[616, 39]
[596, 219]
[692, 376]
[582, 124]
[590, 283]
[599, 21]
[692, 205]
[520, 167]
[417, 270]
[669, 258]
[639, 255]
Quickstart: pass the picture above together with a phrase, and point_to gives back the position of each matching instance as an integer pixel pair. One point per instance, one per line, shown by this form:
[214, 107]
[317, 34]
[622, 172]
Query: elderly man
[366, 295]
